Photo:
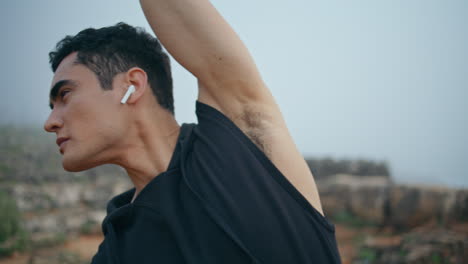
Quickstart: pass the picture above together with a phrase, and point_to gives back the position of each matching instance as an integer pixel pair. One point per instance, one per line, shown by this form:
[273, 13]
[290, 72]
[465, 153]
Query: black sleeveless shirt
[221, 200]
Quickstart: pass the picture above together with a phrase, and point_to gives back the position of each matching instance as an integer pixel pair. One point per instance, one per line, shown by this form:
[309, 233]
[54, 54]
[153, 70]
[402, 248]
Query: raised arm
[198, 37]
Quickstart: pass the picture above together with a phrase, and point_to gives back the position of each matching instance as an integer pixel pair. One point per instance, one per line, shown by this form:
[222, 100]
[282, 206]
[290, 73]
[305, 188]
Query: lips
[60, 140]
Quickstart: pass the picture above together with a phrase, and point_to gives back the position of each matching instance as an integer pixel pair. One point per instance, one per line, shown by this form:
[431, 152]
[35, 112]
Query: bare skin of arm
[198, 37]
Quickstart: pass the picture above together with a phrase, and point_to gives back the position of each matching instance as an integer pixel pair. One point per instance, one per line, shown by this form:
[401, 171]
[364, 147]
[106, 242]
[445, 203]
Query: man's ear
[138, 78]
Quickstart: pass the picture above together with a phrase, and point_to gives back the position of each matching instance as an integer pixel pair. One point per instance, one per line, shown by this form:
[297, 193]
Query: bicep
[199, 38]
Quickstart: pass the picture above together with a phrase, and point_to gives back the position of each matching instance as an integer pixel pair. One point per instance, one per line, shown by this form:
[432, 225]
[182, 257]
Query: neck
[149, 149]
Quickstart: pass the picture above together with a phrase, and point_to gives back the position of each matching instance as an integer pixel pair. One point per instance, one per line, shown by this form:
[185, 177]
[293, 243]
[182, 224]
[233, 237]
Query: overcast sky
[381, 80]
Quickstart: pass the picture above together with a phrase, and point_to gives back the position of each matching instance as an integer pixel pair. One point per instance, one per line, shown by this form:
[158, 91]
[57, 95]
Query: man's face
[86, 116]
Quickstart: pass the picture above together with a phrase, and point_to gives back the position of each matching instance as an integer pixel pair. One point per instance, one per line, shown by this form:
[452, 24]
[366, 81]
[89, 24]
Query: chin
[76, 165]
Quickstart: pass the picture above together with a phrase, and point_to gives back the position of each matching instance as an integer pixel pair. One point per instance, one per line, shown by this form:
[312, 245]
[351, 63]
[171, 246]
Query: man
[231, 189]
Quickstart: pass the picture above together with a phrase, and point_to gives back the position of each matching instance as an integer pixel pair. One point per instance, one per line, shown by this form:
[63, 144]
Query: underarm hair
[255, 126]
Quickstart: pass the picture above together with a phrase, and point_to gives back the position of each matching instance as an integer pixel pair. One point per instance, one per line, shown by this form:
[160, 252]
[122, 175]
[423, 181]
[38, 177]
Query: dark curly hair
[111, 50]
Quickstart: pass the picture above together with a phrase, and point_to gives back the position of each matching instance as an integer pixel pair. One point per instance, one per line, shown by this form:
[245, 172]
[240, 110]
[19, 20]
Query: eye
[63, 93]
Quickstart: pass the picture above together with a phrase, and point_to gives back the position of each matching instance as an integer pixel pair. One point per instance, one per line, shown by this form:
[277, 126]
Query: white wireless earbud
[130, 90]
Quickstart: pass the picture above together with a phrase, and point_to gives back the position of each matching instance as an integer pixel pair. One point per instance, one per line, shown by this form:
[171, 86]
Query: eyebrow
[56, 88]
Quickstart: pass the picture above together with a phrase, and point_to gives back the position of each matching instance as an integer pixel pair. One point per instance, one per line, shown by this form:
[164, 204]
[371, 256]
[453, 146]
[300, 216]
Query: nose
[53, 122]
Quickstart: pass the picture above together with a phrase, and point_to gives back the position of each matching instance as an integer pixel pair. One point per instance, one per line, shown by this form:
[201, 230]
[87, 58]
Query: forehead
[65, 67]
[69, 73]
[69, 69]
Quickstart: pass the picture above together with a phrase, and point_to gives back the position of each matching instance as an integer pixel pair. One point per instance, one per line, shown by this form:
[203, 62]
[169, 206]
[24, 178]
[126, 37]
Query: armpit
[256, 125]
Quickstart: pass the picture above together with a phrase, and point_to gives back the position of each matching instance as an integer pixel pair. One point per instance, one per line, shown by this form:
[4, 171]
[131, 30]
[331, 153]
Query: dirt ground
[85, 246]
